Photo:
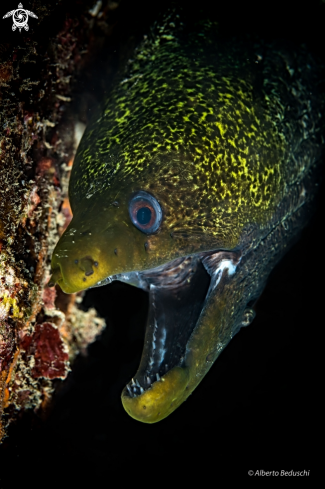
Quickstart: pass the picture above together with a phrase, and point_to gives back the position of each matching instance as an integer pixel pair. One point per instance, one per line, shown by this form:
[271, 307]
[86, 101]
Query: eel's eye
[145, 212]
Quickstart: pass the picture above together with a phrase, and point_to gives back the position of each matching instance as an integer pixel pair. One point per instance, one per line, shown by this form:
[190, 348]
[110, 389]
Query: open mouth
[178, 292]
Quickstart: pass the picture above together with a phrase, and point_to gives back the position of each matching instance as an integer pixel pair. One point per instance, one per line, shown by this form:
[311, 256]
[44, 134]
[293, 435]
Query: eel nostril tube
[55, 277]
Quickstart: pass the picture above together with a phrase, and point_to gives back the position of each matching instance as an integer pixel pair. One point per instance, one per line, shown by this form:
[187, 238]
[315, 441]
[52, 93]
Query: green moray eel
[191, 183]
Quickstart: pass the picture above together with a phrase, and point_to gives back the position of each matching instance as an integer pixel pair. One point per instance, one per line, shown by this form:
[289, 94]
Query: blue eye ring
[145, 212]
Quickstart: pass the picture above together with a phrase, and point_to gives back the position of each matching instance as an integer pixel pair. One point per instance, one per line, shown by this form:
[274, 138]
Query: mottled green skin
[179, 102]
[213, 106]
[225, 135]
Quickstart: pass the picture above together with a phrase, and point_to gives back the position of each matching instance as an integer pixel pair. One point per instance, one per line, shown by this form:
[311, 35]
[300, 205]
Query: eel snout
[88, 253]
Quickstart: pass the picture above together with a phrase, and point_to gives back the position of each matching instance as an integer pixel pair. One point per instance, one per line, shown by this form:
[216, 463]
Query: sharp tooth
[157, 377]
[132, 383]
[141, 390]
[137, 383]
[129, 390]
[148, 380]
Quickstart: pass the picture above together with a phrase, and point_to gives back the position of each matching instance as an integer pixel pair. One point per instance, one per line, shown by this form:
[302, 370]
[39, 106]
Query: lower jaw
[163, 397]
[176, 297]
[172, 388]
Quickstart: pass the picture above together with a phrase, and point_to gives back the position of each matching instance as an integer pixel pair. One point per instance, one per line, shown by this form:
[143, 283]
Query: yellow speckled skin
[223, 134]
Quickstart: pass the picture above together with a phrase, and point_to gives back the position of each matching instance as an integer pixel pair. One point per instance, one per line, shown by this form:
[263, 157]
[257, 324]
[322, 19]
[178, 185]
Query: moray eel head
[129, 239]
[185, 185]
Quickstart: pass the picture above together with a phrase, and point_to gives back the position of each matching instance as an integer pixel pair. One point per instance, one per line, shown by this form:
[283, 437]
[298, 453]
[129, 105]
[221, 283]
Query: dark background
[260, 405]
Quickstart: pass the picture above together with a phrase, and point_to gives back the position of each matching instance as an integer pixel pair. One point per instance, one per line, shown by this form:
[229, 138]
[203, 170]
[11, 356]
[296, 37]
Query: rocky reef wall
[42, 117]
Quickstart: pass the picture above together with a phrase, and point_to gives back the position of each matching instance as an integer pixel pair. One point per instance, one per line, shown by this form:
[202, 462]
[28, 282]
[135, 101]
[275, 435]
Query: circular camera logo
[20, 18]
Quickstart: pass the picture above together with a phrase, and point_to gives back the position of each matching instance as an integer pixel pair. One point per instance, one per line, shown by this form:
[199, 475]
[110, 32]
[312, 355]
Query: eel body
[191, 183]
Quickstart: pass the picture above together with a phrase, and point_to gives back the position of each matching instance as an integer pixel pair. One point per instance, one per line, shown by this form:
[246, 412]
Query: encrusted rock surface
[41, 329]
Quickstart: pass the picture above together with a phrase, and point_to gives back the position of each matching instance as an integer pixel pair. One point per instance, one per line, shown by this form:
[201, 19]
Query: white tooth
[141, 390]
[129, 390]
[137, 383]
[132, 383]
[148, 380]
[157, 377]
